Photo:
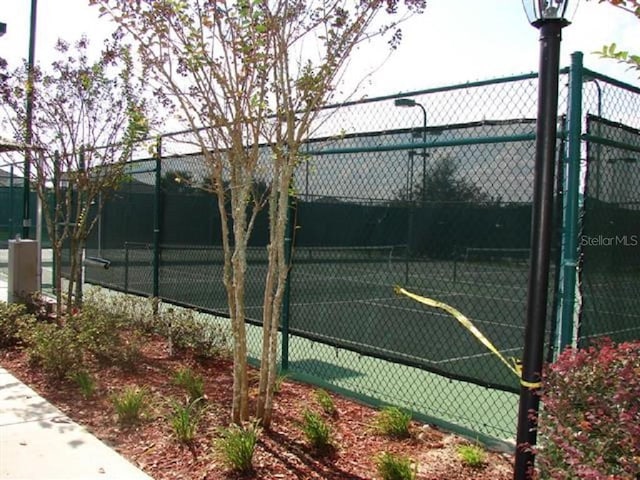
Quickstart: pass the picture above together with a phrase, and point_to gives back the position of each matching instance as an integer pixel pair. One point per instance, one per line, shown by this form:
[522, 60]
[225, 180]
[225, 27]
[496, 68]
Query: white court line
[477, 355]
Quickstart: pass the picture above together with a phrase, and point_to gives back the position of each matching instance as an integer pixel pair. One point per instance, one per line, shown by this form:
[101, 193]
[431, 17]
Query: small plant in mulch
[85, 382]
[325, 401]
[236, 446]
[130, 404]
[392, 422]
[279, 382]
[184, 420]
[317, 432]
[395, 467]
[191, 382]
[472, 455]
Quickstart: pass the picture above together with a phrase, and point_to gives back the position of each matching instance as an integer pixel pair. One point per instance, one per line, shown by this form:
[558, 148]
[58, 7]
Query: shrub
[13, 318]
[325, 401]
[185, 331]
[316, 430]
[395, 467]
[184, 421]
[54, 348]
[393, 422]
[236, 446]
[129, 404]
[472, 455]
[191, 382]
[589, 426]
[85, 382]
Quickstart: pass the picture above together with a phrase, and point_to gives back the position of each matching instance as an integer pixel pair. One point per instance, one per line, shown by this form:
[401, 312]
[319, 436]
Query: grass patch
[392, 422]
[395, 467]
[236, 446]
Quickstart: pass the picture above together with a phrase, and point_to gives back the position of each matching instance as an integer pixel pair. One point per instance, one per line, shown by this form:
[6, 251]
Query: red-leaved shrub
[590, 421]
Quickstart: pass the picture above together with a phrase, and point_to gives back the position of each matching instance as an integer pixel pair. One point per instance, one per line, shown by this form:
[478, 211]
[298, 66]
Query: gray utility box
[23, 269]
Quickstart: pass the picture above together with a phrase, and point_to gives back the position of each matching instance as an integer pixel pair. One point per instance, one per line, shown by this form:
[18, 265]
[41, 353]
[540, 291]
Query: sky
[454, 41]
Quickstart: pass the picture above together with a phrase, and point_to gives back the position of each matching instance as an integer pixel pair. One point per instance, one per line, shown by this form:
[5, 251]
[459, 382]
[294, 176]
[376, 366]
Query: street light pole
[28, 135]
[409, 102]
[549, 17]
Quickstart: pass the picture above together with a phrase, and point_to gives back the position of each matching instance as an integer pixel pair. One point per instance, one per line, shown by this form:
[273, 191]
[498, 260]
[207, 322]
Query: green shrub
[316, 430]
[184, 421]
[184, 330]
[395, 467]
[13, 318]
[472, 455]
[130, 404]
[54, 348]
[393, 422]
[325, 401]
[85, 382]
[236, 446]
[589, 425]
[191, 382]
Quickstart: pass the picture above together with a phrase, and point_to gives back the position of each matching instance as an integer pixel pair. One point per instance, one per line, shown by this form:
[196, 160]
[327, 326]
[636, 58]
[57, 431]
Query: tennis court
[344, 297]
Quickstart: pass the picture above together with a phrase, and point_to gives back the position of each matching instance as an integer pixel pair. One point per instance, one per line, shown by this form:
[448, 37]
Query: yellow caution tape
[514, 365]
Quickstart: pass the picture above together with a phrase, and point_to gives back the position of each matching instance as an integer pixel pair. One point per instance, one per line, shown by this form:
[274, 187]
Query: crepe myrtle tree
[86, 117]
[254, 72]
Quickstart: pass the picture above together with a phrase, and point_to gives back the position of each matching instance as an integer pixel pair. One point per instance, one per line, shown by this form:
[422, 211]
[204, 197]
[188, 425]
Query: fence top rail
[590, 75]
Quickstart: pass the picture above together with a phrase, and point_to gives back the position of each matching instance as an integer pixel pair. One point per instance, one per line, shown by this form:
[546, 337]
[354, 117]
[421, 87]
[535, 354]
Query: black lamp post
[410, 102]
[549, 16]
[3, 28]
[28, 138]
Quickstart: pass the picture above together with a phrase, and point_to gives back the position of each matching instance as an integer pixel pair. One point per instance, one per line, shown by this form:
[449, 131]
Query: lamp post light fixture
[410, 102]
[3, 28]
[549, 16]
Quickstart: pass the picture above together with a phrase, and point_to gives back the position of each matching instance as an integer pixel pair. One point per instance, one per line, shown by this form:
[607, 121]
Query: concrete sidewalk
[38, 442]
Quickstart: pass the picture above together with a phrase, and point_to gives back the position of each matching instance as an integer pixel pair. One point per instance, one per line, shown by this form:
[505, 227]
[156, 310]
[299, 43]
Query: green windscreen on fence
[611, 233]
[449, 220]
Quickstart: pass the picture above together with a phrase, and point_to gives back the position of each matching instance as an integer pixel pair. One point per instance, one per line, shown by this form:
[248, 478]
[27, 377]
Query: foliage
[472, 455]
[236, 446]
[590, 424]
[191, 382]
[441, 183]
[86, 383]
[612, 51]
[54, 348]
[325, 401]
[184, 420]
[244, 70]
[393, 422]
[101, 334]
[13, 318]
[87, 115]
[316, 430]
[395, 467]
[129, 404]
[184, 330]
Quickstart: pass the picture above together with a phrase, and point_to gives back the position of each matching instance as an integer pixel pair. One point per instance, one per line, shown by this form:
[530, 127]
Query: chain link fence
[610, 241]
[431, 191]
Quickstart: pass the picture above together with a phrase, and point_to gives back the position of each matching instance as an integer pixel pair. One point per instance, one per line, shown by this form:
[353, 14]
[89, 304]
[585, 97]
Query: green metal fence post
[55, 268]
[11, 207]
[570, 212]
[284, 323]
[157, 219]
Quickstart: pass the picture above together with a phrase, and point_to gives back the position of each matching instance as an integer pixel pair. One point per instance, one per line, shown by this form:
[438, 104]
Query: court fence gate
[436, 199]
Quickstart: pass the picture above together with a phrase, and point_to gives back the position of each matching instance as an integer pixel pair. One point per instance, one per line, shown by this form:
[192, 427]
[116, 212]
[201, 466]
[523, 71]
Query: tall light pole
[410, 102]
[28, 134]
[549, 16]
